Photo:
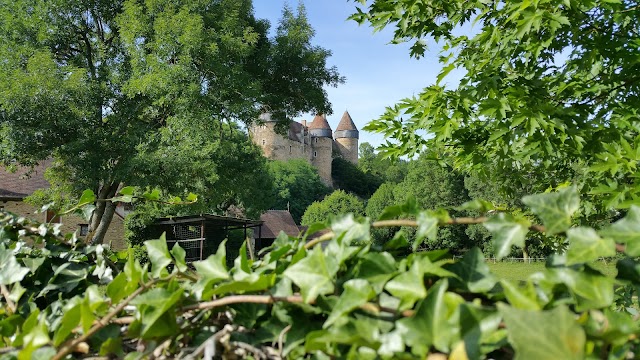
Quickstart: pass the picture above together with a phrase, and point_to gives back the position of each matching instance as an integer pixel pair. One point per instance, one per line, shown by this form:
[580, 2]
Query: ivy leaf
[555, 209]
[551, 334]
[585, 245]
[117, 289]
[476, 323]
[356, 292]
[211, 270]
[10, 271]
[626, 231]
[158, 254]
[408, 286]
[377, 269]
[127, 190]
[427, 228]
[473, 273]
[520, 297]
[429, 325]
[479, 205]
[311, 275]
[87, 197]
[69, 321]
[179, 256]
[506, 231]
[156, 318]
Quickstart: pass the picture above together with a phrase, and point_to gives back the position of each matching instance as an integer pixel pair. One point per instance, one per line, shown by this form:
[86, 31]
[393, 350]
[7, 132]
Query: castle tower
[265, 136]
[347, 138]
[321, 147]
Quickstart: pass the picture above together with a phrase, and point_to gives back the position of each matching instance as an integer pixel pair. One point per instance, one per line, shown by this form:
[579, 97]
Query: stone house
[16, 186]
[315, 143]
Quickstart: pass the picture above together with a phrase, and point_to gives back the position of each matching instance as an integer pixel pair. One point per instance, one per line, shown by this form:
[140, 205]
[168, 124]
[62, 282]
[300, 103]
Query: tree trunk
[103, 214]
[103, 193]
[105, 221]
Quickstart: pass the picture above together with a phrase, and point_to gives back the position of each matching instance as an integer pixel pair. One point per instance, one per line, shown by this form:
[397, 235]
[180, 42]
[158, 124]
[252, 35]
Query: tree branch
[69, 346]
[6, 293]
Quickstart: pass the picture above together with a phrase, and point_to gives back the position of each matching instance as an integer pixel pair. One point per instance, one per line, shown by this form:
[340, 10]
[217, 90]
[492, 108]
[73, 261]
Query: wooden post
[201, 239]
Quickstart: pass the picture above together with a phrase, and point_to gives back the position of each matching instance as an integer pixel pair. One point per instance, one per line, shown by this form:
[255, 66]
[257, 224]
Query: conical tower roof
[320, 127]
[346, 123]
[319, 122]
[346, 128]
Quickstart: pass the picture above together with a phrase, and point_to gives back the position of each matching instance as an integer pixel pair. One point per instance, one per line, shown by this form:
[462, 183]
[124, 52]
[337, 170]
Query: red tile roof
[346, 123]
[276, 221]
[23, 182]
[319, 122]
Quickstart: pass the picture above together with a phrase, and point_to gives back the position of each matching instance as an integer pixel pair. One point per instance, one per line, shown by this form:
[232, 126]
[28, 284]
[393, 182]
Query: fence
[522, 260]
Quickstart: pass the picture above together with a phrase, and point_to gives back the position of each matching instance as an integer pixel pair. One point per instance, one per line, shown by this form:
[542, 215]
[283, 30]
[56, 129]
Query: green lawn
[517, 271]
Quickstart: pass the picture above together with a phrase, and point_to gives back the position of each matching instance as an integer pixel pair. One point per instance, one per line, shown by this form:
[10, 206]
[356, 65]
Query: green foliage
[432, 187]
[348, 299]
[336, 203]
[549, 93]
[387, 169]
[350, 178]
[152, 95]
[296, 185]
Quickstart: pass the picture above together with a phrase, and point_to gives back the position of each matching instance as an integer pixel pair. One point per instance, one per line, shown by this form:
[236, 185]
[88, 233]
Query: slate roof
[23, 182]
[346, 123]
[276, 220]
[320, 122]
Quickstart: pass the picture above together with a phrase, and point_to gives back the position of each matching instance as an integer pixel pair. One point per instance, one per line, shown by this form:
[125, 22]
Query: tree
[348, 177]
[384, 197]
[550, 92]
[236, 176]
[138, 93]
[376, 164]
[296, 185]
[336, 203]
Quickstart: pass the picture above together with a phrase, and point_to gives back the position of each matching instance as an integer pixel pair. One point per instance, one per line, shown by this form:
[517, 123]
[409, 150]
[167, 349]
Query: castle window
[84, 229]
[315, 154]
[289, 149]
[316, 140]
[264, 142]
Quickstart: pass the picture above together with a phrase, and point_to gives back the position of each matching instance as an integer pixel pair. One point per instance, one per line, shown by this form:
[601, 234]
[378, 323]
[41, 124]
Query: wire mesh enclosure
[201, 235]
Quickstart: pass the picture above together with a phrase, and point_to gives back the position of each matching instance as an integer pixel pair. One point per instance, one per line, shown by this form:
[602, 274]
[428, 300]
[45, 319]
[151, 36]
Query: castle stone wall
[322, 157]
[349, 149]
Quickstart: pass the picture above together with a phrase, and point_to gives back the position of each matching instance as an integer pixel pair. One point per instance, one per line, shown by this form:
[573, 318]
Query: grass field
[517, 271]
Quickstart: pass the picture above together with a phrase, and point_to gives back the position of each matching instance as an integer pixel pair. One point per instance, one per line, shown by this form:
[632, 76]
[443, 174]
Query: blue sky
[378, 73]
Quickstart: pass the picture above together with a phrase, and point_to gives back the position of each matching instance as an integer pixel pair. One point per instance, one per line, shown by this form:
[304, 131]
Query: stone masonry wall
[349, 149]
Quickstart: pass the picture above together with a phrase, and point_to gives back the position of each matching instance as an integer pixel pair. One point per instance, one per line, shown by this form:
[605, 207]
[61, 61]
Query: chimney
[304, 123]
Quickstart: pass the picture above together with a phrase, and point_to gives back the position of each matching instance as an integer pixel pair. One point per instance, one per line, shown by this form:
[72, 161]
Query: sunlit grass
[519, 271]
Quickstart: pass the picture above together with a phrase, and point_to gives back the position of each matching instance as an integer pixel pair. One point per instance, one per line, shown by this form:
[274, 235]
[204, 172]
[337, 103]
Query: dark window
[316, 140]
[315, 153]
[264, 142]
[84, 229]
[289, 149]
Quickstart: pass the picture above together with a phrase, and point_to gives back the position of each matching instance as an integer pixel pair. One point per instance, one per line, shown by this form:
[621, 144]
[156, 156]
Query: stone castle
[315, 143]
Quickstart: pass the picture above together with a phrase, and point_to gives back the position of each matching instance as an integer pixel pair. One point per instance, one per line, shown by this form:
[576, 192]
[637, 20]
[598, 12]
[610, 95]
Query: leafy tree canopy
[550, 92]
[337, 203]
[385, 168]
[138, 93]
[348, 177]
[296, 185]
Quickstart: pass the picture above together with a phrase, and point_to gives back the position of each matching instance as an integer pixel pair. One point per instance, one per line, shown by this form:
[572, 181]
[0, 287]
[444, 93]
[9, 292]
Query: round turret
[347, 138]
[320, 127]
